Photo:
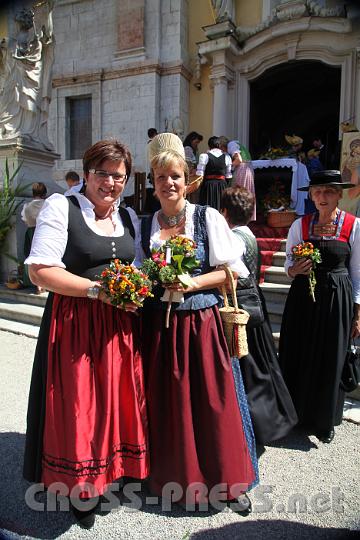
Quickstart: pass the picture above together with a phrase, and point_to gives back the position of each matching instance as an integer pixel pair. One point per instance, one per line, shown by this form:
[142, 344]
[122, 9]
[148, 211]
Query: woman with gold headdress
[197, 432]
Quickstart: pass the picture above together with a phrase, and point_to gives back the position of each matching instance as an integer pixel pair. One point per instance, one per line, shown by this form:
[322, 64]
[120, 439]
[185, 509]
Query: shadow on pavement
[15, 515]
[266, 529]
[297, 439]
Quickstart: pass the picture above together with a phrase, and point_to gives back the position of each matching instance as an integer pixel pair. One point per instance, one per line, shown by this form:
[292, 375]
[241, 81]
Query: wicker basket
[283, 218]
[234, 321]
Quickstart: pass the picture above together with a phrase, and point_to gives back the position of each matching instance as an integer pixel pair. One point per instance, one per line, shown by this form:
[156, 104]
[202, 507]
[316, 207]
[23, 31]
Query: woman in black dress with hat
[86, 423]
[315, 335]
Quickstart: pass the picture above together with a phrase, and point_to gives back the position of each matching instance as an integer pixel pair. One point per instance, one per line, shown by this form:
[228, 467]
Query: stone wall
[130, 57]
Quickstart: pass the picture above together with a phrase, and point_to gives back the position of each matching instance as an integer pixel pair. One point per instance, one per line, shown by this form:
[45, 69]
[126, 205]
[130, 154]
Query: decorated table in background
[300, 178]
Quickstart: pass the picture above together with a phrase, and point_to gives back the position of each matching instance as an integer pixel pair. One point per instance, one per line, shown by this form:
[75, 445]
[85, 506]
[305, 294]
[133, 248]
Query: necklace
[106, 215]
[172, 221]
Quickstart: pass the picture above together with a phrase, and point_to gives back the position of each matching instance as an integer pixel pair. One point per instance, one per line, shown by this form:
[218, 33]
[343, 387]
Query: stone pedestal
[36, 166]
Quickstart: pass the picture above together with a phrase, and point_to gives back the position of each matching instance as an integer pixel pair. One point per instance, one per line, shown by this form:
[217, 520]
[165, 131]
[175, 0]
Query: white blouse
[223, 247]
[51, 233]
[295, 237]
[204, 158]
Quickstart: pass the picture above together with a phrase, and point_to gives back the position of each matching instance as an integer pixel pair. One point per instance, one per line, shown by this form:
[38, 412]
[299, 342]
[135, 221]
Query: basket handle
[230, 276]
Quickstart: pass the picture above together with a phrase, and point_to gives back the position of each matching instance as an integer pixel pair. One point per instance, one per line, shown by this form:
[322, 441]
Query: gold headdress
[293, 140]
[163, 142]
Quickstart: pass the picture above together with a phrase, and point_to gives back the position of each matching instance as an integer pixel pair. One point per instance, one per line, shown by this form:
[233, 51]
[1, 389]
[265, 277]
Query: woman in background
[315, 335]
[271, 408]
[29, 215]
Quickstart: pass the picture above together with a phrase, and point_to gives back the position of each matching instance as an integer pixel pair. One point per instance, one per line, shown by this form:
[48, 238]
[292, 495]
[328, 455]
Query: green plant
[9, 201]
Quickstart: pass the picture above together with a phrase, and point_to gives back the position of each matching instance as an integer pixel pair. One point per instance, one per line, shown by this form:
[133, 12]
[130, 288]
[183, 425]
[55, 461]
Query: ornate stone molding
[291, 11]
[101, 75]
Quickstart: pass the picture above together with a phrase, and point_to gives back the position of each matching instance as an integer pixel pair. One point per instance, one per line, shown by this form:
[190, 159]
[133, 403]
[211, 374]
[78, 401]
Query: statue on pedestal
[223, 9]
[25, 68]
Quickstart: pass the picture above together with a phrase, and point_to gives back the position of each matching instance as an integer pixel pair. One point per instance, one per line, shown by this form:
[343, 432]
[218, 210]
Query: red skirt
[196, 433]
[95, 421]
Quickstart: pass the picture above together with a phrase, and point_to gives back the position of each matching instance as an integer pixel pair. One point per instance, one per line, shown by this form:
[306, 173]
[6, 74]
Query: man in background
[73, 181]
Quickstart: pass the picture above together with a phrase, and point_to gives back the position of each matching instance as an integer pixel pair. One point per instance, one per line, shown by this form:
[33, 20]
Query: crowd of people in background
[181, 396]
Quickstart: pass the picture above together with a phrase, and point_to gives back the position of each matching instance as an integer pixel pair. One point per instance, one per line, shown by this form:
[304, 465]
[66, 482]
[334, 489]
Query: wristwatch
[93, 292]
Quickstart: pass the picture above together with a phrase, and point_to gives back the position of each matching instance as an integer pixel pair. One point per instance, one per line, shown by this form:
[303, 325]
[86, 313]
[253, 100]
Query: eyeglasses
[104, 175]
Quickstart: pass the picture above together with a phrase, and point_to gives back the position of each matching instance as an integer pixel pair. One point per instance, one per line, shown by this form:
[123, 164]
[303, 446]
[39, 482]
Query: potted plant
[9, 202]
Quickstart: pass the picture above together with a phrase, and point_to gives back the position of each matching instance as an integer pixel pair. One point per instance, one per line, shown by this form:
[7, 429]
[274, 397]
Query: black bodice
[88, 253]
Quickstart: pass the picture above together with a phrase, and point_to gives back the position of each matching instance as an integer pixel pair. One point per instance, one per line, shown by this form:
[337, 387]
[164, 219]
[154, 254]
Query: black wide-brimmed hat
[326, 178]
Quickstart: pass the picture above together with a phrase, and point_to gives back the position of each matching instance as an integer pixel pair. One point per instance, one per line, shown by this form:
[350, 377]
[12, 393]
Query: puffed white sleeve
[51, 234]
[139, 252]
[223, 247]
[294, 237]
[354, 267]
[203, 160]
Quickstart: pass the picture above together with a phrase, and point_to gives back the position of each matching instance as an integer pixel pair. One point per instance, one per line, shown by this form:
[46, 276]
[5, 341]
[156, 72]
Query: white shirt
[30, 211]
[51, 233]
[223, 247]
[74, 189]
[295, 237]
[204, 158]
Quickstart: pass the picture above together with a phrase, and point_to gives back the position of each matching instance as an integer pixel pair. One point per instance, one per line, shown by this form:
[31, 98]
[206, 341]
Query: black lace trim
[93, 467]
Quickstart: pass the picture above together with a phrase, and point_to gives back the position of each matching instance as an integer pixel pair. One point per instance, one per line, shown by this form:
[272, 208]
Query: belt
[214, 177]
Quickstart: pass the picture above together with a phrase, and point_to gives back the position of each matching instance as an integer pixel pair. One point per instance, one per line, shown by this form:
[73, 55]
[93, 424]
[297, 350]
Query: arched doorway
[301, 97]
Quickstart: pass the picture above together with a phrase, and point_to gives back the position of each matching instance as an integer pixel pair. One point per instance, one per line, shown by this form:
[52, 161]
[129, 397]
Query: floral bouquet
[276, 197]
[274, 153]
[305, 250]
[173, 262]
[124, 284]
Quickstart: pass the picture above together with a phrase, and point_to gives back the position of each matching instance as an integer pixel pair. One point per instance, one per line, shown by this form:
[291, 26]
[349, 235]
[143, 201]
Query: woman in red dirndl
[87, 422]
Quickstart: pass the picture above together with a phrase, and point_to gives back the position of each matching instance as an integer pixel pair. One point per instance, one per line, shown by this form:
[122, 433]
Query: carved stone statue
[224, 10]
[25, 63]
[178, 127]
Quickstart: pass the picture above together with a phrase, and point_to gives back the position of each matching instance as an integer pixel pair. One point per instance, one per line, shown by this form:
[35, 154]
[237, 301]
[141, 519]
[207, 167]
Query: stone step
[279, 258]
[24, 313]
[23, 296]
[276, 274]
[275, 292]
[275, 311]
[16, 327]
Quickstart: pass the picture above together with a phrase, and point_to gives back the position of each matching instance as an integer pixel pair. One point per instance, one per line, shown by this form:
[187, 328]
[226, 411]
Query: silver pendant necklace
[172, 221]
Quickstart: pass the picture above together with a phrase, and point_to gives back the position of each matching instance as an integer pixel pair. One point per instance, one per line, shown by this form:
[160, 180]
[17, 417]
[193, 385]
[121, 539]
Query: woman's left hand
[179, 287]
[355, 327]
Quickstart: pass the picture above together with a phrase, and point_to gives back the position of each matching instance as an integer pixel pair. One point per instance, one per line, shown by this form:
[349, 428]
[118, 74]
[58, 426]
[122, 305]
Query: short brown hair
[239, 203]
[72, 175]
[109, 149]
[39, 190]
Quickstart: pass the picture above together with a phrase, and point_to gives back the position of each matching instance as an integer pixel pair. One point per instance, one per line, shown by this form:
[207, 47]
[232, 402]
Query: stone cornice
[127, 71]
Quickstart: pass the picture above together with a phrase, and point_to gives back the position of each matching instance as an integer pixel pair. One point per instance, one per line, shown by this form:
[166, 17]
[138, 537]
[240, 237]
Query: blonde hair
[166, 158]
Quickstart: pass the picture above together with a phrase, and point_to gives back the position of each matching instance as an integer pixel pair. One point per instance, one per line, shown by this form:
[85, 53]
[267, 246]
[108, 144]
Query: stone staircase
[21, 310]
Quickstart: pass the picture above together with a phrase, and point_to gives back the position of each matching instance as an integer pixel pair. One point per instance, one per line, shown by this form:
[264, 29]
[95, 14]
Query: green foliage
[9, 202]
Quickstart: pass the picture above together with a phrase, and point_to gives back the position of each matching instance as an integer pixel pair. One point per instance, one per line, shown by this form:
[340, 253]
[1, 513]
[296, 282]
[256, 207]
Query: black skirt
[271, 407]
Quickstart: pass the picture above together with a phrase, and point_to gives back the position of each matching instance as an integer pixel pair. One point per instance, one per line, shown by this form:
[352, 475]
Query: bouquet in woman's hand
[124, 284]
[305, 250]
[173, 262]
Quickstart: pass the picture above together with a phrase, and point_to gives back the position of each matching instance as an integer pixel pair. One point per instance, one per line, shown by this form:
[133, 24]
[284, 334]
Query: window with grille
[78, 126]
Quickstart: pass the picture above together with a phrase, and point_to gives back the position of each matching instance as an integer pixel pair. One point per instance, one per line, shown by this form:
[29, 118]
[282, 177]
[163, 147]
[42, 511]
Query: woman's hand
[179, 287]
[103, 297]
[302, 266]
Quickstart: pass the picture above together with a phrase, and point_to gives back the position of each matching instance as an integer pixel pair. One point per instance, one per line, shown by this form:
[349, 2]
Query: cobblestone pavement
[325, 478]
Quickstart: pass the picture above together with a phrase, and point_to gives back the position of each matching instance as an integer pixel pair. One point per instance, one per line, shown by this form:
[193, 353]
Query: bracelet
[93, 292]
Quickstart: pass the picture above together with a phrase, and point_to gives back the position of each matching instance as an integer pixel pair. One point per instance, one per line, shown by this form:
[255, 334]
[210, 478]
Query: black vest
[87, 253]
[216, 166]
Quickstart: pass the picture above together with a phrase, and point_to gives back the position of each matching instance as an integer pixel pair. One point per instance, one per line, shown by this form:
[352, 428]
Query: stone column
[221, 77]
[220, 88]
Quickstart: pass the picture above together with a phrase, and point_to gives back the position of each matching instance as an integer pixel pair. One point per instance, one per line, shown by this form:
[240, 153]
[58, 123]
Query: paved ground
[326, 477]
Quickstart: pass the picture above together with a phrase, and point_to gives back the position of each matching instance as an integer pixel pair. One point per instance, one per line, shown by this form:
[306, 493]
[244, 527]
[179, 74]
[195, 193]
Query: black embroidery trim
[92, 467]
